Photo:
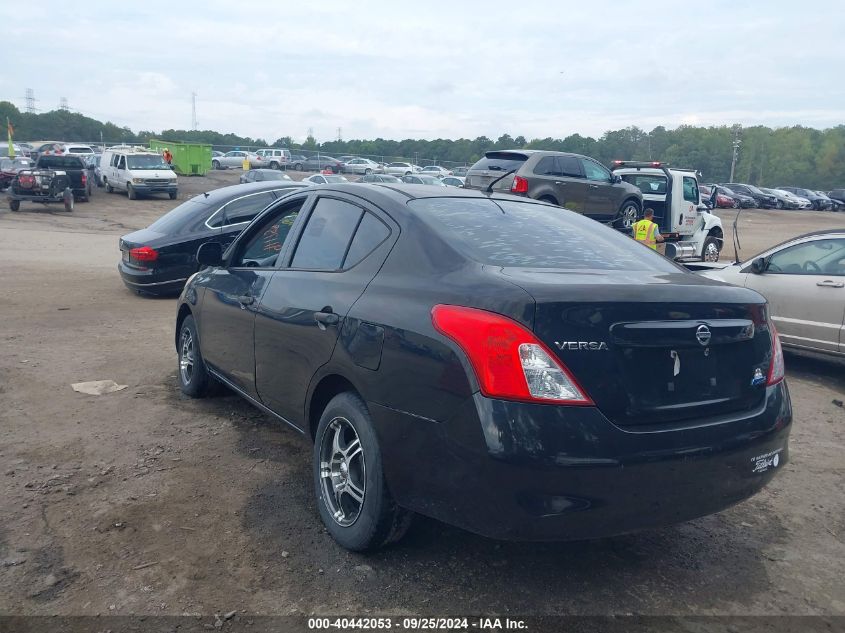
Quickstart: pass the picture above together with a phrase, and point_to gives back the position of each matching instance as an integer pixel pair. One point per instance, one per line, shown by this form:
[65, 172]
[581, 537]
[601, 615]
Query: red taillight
[508, 360]
[776, 369]
[520, 185]
[84, 179]
[143, 254]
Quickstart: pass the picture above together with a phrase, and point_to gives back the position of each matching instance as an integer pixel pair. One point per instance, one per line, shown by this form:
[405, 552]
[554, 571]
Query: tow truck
[690, 231]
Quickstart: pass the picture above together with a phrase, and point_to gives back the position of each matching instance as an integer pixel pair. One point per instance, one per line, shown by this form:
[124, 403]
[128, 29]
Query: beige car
[804, 281]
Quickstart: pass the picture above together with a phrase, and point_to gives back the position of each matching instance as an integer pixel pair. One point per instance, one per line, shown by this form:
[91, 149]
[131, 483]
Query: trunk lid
[653, 349]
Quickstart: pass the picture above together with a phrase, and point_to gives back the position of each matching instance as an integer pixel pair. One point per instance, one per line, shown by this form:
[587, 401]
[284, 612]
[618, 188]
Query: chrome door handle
[827, 283]
[559, 182]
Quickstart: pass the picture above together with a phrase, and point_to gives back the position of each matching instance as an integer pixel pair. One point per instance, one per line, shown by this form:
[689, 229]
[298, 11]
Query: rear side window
[500, 161]
[60, 162]
[371, 232]
[243, 209]
[569, 166]
[520, 234]
[326, 237]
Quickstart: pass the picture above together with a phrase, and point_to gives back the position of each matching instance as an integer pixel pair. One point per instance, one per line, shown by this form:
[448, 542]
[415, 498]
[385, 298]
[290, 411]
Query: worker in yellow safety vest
[646, 230]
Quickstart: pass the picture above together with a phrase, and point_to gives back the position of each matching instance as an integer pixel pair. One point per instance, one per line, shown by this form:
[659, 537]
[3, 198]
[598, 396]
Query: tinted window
[326, 236]
[506, 233]
[500, 161]
[820, 257]
[690, 190]
[246, 208]
[547, 167]
[569, 166]
[61, 162]
[594, 171]
[371, 232]
[187, 213]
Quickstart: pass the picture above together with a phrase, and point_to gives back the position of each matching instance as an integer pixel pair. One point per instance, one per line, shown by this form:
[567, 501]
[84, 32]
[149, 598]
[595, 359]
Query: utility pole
[63, 104]
[339, 135]
[736, 143]
[194, 123]
[30, 101]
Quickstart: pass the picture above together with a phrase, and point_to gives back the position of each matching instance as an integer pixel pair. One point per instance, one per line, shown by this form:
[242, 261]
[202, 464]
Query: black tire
[68, 200]
[130, 191]
[368, 171]
[407, 173]
[779, 204]
[707, 249]
[15, 205]
[378, 520]
[274, 165]
[628, 214]
[109, 188]
[215, 164]
[172, 195]
[735, 205]
[194, 379]
[297, 167]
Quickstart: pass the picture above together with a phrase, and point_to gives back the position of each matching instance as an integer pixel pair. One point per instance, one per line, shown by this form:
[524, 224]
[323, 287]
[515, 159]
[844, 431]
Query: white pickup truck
[689, 230]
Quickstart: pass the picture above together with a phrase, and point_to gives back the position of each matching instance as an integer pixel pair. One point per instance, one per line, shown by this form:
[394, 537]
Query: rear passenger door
[562, 176]
[600, 203]
[339, 250]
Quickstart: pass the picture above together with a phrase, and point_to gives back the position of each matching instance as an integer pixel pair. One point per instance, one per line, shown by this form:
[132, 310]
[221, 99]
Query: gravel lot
[143, 501]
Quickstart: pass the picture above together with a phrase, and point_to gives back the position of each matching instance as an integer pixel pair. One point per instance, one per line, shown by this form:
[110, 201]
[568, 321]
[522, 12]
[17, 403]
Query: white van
[137, 171]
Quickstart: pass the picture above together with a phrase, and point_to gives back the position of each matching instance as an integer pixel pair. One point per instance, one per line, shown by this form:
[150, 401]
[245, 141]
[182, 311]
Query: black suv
[498, 363]
[573, 181]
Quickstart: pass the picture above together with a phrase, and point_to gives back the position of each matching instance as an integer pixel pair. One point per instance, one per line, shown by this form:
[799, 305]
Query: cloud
[269, 69]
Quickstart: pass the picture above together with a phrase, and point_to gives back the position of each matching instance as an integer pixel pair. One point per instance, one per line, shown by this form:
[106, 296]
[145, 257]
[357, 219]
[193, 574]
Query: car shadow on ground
[825, 370]
[437, 568]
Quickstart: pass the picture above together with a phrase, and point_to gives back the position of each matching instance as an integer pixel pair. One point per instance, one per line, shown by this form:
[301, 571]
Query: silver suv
[573, 181]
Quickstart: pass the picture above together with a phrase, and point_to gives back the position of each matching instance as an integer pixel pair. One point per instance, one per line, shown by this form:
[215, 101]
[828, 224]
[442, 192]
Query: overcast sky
[429, 69]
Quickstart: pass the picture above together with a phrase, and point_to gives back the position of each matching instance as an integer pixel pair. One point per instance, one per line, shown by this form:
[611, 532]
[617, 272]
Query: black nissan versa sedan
[158, 259]
[492, 361]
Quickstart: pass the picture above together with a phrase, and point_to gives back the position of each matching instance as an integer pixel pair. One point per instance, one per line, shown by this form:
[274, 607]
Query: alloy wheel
[186, 356]
[711, 252]
[342, 471]
[629, 215]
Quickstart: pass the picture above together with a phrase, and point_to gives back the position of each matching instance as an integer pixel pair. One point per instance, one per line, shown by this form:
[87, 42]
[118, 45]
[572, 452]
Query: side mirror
[758, 266]
[210, 254]
[615, 179]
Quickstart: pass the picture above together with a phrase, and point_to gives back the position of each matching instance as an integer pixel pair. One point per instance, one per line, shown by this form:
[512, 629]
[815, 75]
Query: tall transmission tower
[736, 143]
[63, 104]
[30, 101]
[310, 132]
[194, 123]
[339, 135]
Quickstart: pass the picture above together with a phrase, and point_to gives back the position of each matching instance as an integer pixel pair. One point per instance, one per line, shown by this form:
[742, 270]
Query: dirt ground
[145, 502]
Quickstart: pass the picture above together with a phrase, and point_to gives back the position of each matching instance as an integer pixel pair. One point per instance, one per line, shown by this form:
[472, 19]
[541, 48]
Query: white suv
[275, 158]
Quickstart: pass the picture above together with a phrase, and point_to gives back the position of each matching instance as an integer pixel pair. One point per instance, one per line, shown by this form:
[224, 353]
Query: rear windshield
[186, 213]
[647, 183]
[521, 234]
[500, 161]
[60, 162]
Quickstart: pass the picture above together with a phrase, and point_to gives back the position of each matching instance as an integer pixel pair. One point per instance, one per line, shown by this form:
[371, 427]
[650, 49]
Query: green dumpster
[189, 159]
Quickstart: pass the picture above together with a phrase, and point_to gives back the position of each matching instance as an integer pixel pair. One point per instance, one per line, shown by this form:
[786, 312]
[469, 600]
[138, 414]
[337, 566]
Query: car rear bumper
[538, 472]
[151, 281]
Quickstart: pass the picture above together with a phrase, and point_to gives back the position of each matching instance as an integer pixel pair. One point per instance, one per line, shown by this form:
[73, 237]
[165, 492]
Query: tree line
[788, 156]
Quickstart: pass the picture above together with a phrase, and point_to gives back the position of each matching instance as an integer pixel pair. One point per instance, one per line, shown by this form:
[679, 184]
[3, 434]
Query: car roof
[233, 191]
